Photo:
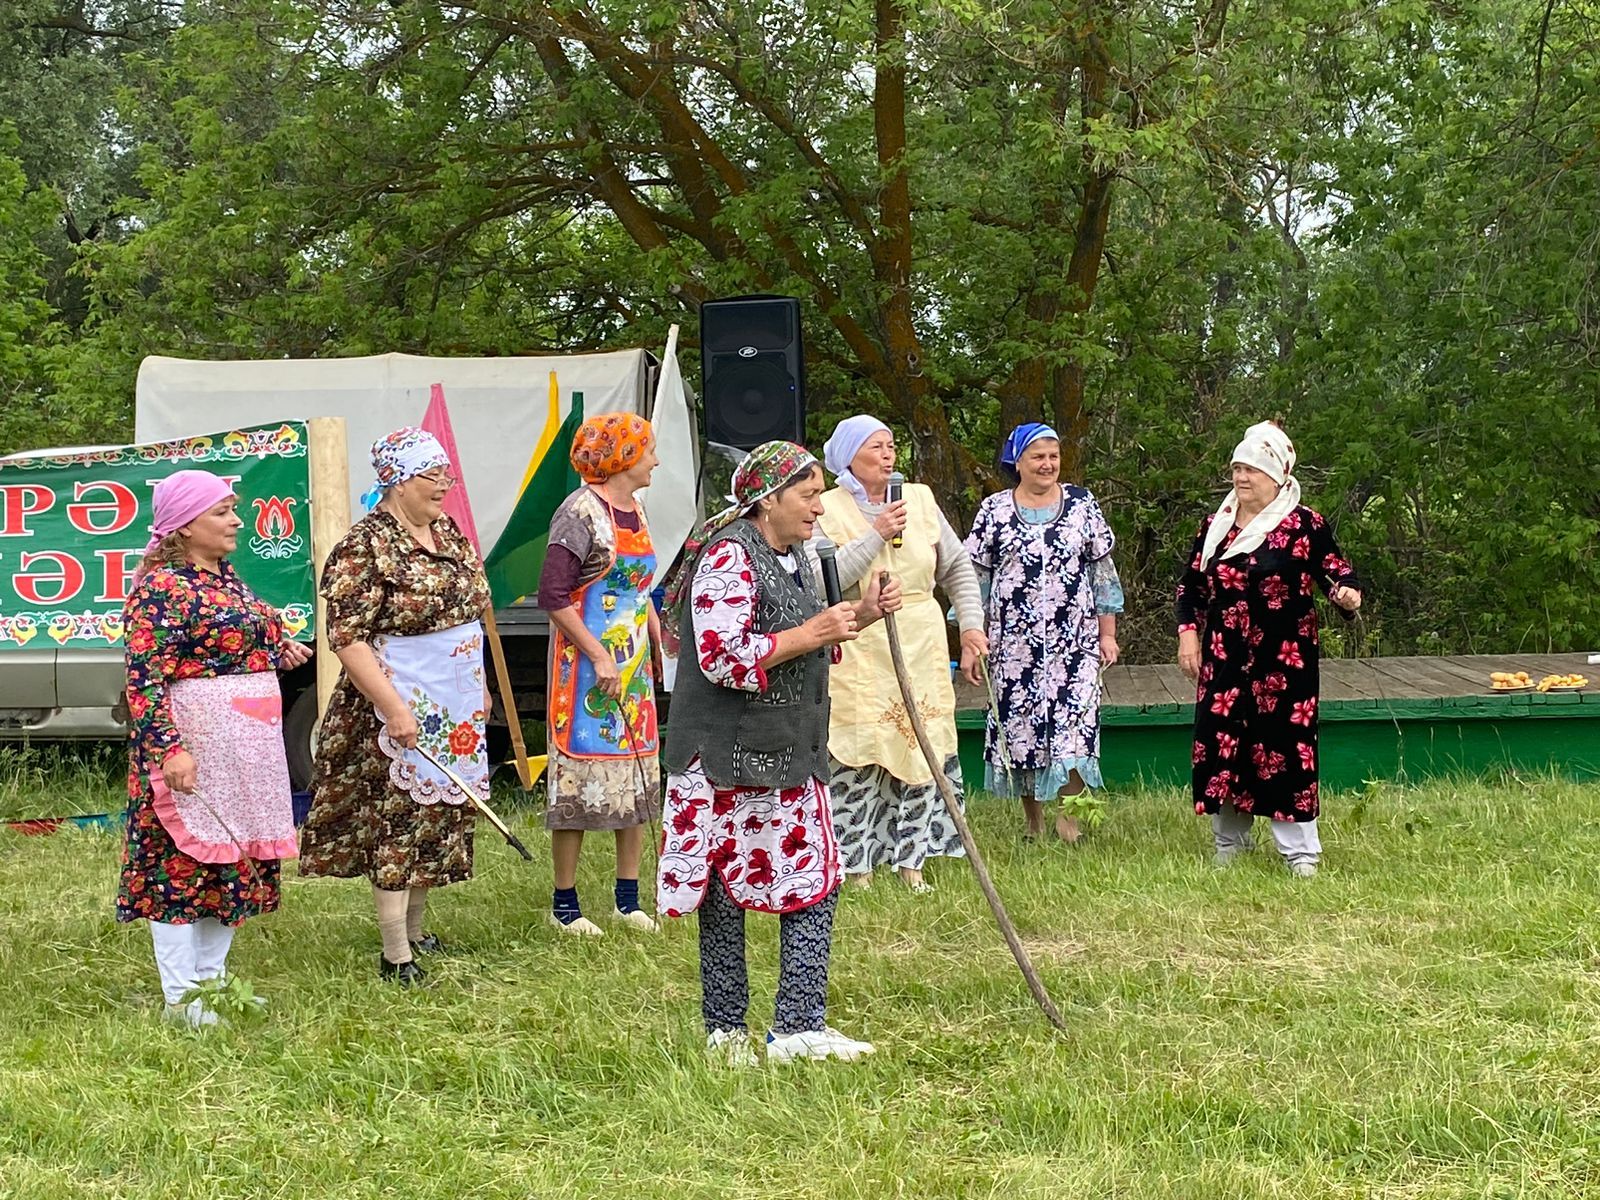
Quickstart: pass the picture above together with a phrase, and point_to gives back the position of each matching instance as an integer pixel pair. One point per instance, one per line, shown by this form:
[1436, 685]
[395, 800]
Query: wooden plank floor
[1162, 686]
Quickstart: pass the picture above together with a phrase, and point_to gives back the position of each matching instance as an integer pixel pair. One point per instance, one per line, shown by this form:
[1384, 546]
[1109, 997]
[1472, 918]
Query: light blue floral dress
[1050, 575]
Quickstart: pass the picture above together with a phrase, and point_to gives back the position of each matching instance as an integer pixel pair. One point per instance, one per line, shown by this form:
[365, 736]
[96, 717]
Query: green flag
[513, 565]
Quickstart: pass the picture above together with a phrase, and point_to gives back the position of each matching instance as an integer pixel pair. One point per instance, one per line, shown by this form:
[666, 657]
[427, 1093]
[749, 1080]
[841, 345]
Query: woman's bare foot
[1067, 829]
[913, 880]
[860, 879]
[1033, 813]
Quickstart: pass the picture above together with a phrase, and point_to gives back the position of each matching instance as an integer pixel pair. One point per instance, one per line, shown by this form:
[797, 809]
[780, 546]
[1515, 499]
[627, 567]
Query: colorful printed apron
[440, 677]
[232, 726]
[585, 723]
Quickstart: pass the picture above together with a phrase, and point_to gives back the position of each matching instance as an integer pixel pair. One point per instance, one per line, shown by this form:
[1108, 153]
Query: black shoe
[406, 974]
[428, 943]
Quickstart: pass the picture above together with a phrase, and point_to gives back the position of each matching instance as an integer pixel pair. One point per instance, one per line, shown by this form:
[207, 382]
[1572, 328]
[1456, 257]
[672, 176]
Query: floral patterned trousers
[804, 940]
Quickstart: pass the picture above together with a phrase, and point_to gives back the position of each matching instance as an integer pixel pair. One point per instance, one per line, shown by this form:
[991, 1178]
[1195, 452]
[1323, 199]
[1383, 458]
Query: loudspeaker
[752, 370]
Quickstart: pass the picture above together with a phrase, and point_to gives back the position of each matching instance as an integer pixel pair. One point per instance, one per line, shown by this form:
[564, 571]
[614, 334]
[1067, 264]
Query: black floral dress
[186, 623]
[381, 580]
[1255, 716]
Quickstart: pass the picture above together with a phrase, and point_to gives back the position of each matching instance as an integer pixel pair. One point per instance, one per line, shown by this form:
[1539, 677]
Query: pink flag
[437, 422]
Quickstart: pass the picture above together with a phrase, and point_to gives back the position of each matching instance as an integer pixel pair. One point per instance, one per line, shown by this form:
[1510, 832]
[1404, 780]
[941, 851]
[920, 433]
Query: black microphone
[897, 490]
[826, 552]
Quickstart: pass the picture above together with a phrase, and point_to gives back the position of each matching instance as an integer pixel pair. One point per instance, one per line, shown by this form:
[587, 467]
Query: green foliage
[231, 997]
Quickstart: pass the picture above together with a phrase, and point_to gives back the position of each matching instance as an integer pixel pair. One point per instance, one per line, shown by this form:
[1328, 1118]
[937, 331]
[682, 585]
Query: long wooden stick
[996, 905]
[497, 651]
[481, 805]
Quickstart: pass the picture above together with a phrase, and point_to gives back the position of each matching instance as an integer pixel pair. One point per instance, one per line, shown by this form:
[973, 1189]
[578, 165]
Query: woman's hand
[292, 655]
[1346, 598]
[400, 723]
[1110, 651]
[1189, 654]
[834, 625]
[179, 773]
[882, 596]
[891, 520]
[974, 645]
[606, 676]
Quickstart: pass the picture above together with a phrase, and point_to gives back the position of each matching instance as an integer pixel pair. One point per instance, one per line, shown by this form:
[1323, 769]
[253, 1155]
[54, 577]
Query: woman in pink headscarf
[209, 816]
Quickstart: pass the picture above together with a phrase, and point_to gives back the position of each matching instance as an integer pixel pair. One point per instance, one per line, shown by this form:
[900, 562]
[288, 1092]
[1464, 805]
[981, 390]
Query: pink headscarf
[180, 498]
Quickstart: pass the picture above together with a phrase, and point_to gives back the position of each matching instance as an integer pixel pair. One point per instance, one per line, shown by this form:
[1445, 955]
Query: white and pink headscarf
[180, 498]
[1268, 449]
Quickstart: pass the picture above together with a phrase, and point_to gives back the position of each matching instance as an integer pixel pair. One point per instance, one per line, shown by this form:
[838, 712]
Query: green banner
[73, 528]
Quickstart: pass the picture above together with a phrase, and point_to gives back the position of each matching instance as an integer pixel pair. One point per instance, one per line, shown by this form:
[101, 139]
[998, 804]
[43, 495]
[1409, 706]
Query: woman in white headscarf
[1247, 634]
[887, 809]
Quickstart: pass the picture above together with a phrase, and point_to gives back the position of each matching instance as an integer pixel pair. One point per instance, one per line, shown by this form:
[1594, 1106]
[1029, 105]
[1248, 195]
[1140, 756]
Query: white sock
[392, 924]
[416, 902]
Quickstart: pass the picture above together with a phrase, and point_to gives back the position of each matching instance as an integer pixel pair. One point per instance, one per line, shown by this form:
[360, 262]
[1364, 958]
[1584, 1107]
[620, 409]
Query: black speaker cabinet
[753, 371]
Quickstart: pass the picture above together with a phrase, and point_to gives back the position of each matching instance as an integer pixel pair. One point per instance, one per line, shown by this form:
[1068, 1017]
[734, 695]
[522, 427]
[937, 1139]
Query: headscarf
[762, 472]
[402, 455]
[608, 444]
[849, 435]
[180, 498]
[1021, 438]
[1268, 449]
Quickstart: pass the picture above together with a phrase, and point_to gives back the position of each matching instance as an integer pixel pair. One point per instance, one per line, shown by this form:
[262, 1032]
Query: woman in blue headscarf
[1043, 550]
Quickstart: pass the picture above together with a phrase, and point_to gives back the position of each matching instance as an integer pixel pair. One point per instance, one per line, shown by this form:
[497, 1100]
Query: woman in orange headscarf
[605, 639]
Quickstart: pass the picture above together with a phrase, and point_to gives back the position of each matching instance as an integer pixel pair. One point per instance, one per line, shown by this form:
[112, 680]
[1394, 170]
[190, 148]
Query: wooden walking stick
[480, 805]
[996, 905]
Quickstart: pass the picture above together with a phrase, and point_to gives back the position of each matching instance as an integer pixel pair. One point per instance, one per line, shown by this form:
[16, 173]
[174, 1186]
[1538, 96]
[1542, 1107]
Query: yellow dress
[869, 726]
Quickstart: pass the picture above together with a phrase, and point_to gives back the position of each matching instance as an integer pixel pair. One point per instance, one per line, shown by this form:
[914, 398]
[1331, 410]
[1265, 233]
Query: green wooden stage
[1382, 718]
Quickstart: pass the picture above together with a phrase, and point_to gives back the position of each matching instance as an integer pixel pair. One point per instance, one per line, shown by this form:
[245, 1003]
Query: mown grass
[1421, 1020]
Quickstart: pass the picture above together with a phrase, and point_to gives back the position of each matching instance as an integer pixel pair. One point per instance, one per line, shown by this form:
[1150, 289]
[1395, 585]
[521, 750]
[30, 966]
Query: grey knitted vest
[772, 739]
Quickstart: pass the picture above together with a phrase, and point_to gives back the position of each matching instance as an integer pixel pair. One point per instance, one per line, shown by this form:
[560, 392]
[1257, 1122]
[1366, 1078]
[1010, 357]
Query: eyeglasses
[439, 479]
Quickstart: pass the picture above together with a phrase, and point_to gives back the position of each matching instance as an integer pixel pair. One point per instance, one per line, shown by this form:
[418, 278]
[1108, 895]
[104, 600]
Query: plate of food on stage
[1511, 681]
[1562, 683]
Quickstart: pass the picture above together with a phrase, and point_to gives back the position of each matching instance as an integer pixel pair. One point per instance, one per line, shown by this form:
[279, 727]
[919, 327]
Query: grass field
[1423, 1019]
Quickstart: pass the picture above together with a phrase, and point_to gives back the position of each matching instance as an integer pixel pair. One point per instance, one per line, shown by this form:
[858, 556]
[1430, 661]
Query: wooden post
[519, 748]
[330, 521]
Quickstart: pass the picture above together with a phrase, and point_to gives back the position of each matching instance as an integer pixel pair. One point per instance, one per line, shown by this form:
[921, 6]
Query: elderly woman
[887, 809]
[595, 585]
[1247, 633]
[748, 824]
[405, 593]
[209, 815]
[1043, 548]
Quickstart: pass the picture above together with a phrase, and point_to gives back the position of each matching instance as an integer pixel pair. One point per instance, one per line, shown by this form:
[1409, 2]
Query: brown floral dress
[380, 580]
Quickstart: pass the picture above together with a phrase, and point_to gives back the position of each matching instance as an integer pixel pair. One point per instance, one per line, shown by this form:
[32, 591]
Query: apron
[615, 608]
[232, 726]
[440, 677]
[868, 725]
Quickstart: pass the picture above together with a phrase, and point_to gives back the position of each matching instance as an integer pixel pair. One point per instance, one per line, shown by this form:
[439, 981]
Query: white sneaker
[638, 918]
[192, 1015]
[1303, 870]
[731, 1048]
[582, 927]
[826, 1042]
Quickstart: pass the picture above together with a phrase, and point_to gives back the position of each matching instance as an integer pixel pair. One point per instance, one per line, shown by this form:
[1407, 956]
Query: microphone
[897, 491]
[826, 559]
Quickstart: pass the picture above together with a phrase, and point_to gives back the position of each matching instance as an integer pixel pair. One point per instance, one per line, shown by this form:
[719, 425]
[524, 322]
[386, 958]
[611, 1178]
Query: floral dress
[1048, 580]
[381, 580]
[186, 623]
[773, 847]
[1255, 716]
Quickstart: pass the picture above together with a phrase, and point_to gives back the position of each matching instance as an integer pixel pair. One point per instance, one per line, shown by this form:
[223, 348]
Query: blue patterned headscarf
[1021, 438]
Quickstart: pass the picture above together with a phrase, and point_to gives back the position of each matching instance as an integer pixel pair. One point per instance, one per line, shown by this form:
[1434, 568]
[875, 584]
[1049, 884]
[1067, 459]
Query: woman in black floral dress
[404, 580]
[198, 639]
[1247, 634]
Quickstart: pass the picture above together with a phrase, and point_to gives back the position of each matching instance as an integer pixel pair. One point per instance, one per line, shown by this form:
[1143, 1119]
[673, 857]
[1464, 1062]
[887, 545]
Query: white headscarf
[1269, 450]
[849, 435]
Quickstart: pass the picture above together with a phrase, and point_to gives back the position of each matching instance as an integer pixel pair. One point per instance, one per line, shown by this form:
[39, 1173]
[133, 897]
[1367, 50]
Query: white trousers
[1297, 841]
[186, 954]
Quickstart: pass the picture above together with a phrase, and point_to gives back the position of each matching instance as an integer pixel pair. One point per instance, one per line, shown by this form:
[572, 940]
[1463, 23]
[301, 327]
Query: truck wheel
[297, 725]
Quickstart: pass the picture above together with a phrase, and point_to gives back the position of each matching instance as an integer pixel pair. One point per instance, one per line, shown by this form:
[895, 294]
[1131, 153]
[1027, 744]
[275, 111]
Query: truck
[498, 408]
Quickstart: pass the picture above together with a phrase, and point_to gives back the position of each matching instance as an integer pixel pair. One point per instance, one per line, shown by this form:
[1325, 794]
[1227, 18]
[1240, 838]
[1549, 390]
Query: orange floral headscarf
[608, 444]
